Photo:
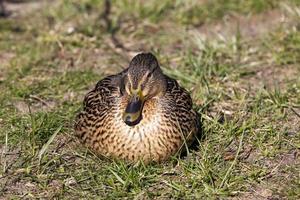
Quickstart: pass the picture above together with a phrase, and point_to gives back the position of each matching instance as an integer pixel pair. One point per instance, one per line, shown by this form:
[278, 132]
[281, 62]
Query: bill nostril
[128, 119]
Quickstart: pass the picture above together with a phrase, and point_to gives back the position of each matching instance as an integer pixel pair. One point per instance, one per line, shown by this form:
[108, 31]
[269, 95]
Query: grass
[246, 88]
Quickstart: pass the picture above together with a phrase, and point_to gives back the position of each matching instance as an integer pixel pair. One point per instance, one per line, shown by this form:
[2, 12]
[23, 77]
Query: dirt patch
[34, 104]
[270, 77]
[5, 58]
[21, 8]
[8, 157]
[100, 60]
[257, 193]
[275, 177]
[248, 26]
[18, 181]
[291, 124]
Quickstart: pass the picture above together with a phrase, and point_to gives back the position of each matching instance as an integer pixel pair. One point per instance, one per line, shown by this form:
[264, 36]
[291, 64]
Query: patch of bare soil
[5, 59]
[257, 193]
[291, 124]
[248, 26]
[273, 184]
[22, 7]
[36, 104]
[100, 60]
[265, 77]
[270, 76]
[18, 181]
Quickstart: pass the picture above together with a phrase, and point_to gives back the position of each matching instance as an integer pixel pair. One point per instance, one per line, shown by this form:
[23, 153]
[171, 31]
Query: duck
[139, 114]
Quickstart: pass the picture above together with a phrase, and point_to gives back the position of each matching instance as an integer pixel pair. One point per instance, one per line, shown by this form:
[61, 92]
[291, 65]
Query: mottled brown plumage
[138, 114]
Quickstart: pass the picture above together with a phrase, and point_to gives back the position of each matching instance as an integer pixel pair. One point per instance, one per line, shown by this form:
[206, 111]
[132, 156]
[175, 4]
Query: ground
[240, 60]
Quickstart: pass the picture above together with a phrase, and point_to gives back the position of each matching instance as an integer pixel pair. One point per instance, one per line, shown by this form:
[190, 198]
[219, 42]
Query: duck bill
[133, 111]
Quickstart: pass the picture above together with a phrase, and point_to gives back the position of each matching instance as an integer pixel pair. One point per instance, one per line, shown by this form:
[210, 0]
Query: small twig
[39, 99]
[298, 115]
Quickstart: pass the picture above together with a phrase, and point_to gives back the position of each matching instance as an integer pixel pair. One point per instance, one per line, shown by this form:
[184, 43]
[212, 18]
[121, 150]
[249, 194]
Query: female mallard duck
[138, 114]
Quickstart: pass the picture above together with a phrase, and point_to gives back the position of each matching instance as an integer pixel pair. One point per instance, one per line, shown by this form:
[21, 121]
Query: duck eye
[149, 75]
[122, 89]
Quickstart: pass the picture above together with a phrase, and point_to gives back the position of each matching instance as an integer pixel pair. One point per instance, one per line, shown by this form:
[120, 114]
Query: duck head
[144, 80]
